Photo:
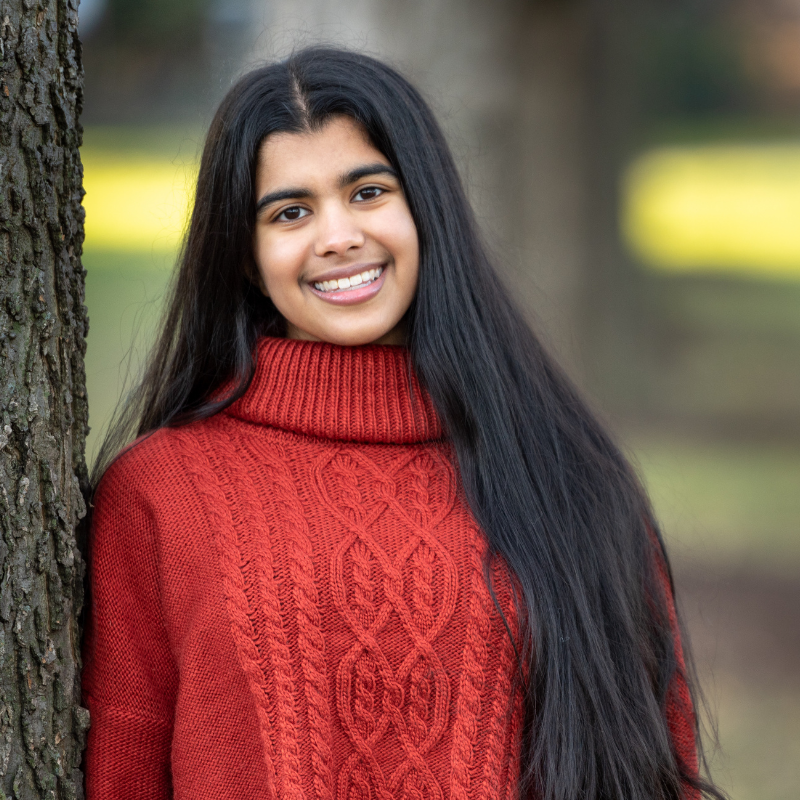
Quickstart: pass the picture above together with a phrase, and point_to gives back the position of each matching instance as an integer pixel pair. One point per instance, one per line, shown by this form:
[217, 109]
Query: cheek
[399, 235]
[279, 260]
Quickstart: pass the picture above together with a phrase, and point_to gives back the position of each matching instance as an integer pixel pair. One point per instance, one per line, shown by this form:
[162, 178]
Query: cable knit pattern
[473, 677]
[376, 699]
[251, 592]
[289, 601]
[311, 643]
[499, 727]
[243, 611]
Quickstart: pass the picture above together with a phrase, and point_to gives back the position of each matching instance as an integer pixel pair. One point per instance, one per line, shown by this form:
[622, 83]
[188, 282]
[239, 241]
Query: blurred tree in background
[154, 24]
[157, 61]
[691, 68]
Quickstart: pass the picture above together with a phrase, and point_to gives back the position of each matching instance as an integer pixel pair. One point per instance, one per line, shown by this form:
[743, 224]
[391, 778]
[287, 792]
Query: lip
[346, 272]
[349, 297]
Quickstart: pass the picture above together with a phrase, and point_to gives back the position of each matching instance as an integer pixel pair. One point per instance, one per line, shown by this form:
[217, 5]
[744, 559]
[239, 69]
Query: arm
[129, 677]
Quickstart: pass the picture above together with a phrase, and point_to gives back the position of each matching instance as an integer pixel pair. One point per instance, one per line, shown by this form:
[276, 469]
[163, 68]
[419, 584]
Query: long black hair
[553, 494]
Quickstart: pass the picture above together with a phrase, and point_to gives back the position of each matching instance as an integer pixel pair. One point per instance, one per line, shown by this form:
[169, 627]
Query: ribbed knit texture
[289, 601]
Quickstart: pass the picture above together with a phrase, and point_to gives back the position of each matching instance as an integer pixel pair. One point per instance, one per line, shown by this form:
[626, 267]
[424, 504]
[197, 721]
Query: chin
[355, 337]
[353, 340]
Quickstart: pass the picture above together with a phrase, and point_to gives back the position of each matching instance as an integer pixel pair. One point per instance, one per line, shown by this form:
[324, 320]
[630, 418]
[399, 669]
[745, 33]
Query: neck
[366, 394]
[396, 336]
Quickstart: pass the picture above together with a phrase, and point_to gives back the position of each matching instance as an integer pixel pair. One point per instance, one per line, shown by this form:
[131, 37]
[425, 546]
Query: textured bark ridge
[42, 399]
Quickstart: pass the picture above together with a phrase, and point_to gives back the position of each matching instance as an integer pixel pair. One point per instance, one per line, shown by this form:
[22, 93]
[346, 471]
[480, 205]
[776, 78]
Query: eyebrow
[362, 172]
[346, 179]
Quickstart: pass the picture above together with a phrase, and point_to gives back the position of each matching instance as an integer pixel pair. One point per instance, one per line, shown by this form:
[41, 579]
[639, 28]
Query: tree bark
[43, 323]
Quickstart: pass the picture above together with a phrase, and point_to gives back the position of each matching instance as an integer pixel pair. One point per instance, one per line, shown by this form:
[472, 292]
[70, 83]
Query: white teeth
[348, 283]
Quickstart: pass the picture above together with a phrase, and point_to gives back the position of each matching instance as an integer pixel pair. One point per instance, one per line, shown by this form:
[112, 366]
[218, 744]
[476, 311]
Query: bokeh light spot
[136, 204]
[715, 208]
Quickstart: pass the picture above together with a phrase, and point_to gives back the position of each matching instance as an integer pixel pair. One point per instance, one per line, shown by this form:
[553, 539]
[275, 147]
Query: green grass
[123, 295]
[760, 740]
[727, 504]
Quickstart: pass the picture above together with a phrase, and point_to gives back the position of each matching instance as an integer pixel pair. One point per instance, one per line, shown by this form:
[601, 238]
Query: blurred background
[636, 167]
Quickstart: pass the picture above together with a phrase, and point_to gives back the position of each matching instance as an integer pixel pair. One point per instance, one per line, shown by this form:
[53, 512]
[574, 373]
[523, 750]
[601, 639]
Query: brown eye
[292, 213]
[368, 193]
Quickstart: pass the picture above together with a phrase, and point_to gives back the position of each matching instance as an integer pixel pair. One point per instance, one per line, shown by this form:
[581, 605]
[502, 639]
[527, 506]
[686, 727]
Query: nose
[338, 231]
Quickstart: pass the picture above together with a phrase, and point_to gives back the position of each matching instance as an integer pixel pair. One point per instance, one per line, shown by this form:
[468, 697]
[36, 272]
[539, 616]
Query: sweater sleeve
[679, 709]
[129, 676]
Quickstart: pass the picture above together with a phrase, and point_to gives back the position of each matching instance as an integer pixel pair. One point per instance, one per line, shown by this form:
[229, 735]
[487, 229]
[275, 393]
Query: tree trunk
[42, 400]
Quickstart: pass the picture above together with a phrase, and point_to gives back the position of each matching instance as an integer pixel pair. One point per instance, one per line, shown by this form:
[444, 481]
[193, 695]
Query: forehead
[315, 156]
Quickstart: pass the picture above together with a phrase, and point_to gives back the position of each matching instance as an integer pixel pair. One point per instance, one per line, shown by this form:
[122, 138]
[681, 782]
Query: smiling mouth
[357, 281]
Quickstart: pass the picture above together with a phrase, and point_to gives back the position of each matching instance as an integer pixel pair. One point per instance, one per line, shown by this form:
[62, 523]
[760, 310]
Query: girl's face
[335, 245]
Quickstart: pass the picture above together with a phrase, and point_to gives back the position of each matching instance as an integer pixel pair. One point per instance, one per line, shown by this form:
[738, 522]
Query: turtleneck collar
[356, 394]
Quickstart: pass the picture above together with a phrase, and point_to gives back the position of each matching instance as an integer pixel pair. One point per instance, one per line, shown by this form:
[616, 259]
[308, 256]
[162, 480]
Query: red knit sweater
[288, 601]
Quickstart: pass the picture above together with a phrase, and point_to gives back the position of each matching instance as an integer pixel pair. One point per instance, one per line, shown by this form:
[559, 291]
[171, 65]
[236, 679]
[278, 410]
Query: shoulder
[166, 468]
[153, 472]
[147, 505]
[139, 467]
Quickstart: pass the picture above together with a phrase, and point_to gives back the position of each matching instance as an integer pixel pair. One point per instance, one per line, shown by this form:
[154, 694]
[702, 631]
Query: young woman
[370, 543]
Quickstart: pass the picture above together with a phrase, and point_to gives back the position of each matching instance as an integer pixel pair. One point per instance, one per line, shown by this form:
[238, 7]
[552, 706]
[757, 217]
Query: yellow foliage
[136, 204]
[715, 208]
